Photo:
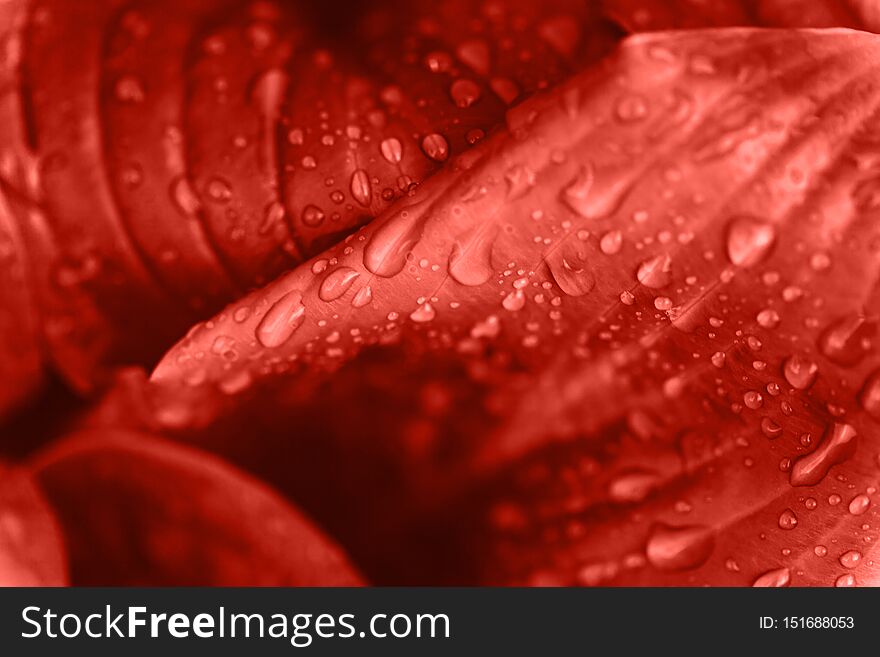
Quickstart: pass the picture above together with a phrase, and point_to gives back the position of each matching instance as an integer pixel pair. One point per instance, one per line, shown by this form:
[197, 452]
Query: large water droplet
[470, 261]
[749, 240]
[594, 196]
[800, 372]
[385, 253]
[362, 297]
[774, 579]
[835, 448]
[679, 548]
[281, 321]
[655, 272]
[337, 283]
[848, 340]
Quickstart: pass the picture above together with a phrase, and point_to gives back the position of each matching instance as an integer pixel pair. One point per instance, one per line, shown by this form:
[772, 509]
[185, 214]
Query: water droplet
[424, 313]
[749, 240]
[312, 215]
[337, 283]
[611, 242]
[129, 89]
[464, 92]
[631, 108]
[869, 397]
[520, 180]
[718, 359]
[850, 559]
[859, 504]
[514, 301]
[593, 196]
[569, 270]
[385, 253]
[788, 520]
[435, 147]
[679, 548]
[360, 187]
[632, 486]
[392, 150]
[768, 318]
[184, 197]
[281, 321]
[835, 448]
[845, 581]
[774, 579]
[848, 340]
[505, 89]
[770, 428]
[219, 190]
[362, 297]
[800, 372]
[470, 261]
[655, 272]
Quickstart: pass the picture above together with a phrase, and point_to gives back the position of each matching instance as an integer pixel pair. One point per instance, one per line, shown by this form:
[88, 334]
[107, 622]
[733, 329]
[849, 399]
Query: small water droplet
[774, 579]
[846, 580]
[424, 313]
[362, 297]
[312, 216]
[436, 147]
[869, 397]
[788, 520]
[392, 150]
[655, 272]
[281, 321]
[631, 487]
[835, 448]
[800, 372]
[611, 242]
[749, 240]
[360, 187]
[850, 558]
[595, 196]
[184, 197]
[679, 548]
[337, 283]
[859, 504]
[464, 92]
[848, 340]
[474, 53]
[514, 301]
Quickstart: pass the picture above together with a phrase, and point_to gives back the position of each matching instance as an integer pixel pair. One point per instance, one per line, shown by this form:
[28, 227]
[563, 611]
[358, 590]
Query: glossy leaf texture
[138, 510]
[32, 551]
[664, 273]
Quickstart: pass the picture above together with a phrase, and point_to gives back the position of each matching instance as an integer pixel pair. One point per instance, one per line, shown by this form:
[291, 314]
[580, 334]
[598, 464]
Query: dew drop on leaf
[749, 240]
[788, 520]
[281, 321]
[360, 187]
[679, 548]
[848, 340]
[337, 283]
[850, 558]
[774, 579]
[800, 372]
[655, 272]
[435, 147]
[837, 445]
[859, 504]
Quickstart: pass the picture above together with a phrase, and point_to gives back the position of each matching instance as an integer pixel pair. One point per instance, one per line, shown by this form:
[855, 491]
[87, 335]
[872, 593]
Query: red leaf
[674, 256]
[137, 510]
[31, 547]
